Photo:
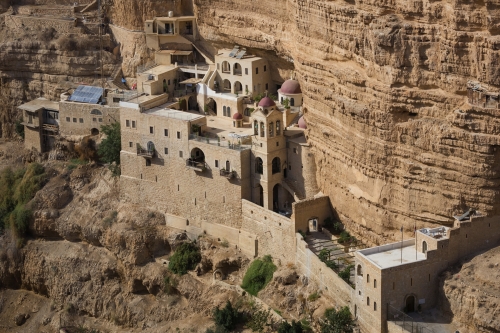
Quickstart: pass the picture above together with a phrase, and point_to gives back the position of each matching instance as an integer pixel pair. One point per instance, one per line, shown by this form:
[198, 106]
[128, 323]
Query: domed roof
[302, 123]
[237, 116]
[266, 102]
[291, 87]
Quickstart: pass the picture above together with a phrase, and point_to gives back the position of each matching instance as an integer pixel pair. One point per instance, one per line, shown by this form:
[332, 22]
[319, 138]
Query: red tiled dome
[266, 102]
[237, 116]
[302, 123]
[291, 87]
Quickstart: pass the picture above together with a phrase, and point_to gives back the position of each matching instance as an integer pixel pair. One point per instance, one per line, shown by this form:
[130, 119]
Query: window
[257, 70]
[68, 119]
[168, 82]
[180, 153]
[228, 111]
[255, 128]
[246, 87]
[278, 127]
[246, 71]
[148, 162]
[424, 247]
[133, 123]
[224, 112]
[265, 69]
[411, 282]
[166, 151]
[368, 301]
[100, 120]
[165, 131]
[367, 278]
[228, 166]
[276, 165]
[295, 150]
[74, 120]
[94, 119]
[178, 135]
[267, 86]
[218, 66]
[116, 100]
[216, 163]
[262, 133]
[96, 112]
[151, 130]
[360, 270]
[127, 123]
[130, 144]
[271, 130]
[259, 166]
[81, 120]
[277, 144]
[374, 306]
[374, 283]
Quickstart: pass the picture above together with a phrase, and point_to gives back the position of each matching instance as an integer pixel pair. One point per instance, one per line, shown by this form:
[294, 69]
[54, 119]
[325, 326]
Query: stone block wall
[79, 119]
[32, 138]
[62, 26]
[307, 209]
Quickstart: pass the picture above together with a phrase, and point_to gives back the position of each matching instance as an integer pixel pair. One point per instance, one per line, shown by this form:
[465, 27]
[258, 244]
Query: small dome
[266, 102]
[302, 123]
[237, 116]
[291, 87]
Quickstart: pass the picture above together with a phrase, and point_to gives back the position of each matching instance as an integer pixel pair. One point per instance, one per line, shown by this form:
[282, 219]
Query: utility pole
[101, 28]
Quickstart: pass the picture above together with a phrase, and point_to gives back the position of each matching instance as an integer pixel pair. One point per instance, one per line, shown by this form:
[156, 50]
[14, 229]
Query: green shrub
[337, 227]
[224, 243]
[258, 275]
[19, 128]
[294, 327]
[331, 264]
[20, 219]
[313, 297]
[31, 182]
[345, 274]
[109, 149]
[337, 321]
[344, 237]
[227, 317]
[259, 319]
[185, 258]
[324, 255]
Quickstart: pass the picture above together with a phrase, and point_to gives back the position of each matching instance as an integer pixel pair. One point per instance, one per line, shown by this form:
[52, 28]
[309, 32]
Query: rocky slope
[470, 293]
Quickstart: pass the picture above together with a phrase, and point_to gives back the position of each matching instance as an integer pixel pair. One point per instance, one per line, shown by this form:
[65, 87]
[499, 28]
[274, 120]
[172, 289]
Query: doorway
[410, 304]
[313, 224]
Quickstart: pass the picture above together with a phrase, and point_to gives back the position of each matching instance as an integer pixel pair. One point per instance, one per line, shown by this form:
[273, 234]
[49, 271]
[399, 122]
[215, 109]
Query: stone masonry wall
[77, 119]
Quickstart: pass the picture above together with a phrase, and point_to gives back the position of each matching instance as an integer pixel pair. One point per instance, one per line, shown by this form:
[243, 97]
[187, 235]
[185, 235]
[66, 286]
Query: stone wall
[304, 210]
[62, 26]
[79, 119]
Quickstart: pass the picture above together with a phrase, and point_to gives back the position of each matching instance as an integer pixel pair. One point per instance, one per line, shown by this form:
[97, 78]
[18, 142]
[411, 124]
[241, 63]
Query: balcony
[226, 173]
[220, 143]
[199, 166]
[147, 153]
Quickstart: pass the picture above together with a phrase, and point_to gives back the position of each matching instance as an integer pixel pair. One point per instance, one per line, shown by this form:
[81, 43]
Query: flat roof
[392, 255]
[160, 69]
[223, 127]
[176, 114]
[39, 103]
[225, 53]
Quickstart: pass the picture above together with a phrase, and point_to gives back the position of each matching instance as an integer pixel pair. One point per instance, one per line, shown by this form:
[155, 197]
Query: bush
[87, 150]
[337, 227]
[344, 237]
[259, 319]
[109, 149]
[324, 255]
[337, 321]
[345, 274]
[20, 219]
[294, 327]
[227, 318]
[258, 275]
[169, 284]
[19, 128]
[313, 297]
[185, 258]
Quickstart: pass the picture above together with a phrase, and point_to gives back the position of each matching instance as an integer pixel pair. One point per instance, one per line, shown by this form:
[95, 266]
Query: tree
[185, 258]
[258, 275]
[294, 327]
[109, 149]
[337, 321]
[227, 317]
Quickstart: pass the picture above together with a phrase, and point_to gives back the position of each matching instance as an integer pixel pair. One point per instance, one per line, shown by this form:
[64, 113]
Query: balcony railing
[196, 165]
[226, 173]
[145, 152]
[221, 143]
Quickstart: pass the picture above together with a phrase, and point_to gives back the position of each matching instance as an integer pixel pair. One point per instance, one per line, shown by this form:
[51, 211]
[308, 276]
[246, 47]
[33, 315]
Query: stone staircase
[290, 185]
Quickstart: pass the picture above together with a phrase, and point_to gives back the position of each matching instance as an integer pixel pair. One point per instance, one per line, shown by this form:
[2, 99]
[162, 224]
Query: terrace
[393, 254]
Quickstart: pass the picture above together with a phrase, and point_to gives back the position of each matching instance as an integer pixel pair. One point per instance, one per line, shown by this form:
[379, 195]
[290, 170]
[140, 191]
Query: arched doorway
[192, 103]
[226, 86]
[151, 146]
[94, 131]
[197, 155]
[238, 88]
[211, 105]
[424, 247]
[313, 224]
[410, 304]
[276, 165]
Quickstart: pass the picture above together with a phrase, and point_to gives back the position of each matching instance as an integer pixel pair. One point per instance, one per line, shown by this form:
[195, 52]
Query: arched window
[259, 166]
[262, 130]
[151, 146]
[236, 69]
[424, 247]
[278, 127]
[292, 101]
[374, 283]
[224, 110]
[255, 128]
[226, 68]
[246, 112]
[96, 112]
[228, 166]
[367, 278]
[228, 112]
[374, 306]
[368, 301]
[276, 165]
[360, 270]
[271, 129]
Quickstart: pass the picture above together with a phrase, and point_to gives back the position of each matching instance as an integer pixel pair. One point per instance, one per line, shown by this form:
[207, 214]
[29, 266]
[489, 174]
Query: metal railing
[226, 173]
[220, 143]
[145, 152]
[196, 165]
[405, 321]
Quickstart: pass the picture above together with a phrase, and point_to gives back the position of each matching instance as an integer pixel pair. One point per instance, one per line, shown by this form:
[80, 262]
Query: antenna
[101, 27]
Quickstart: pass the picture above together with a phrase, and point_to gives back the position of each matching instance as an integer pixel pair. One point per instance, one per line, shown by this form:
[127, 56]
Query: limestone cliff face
[382, 81]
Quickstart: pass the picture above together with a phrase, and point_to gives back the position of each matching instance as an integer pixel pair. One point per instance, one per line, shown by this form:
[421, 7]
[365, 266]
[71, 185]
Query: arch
[271, 129]
[276, 165]
[212, 105]
[224, 110]
[246, 112]
[424, 247]
[192, 103]
[228, 111]
[255, 127]
[151, 146]
[262, 130]
[197, 155]
[410, 303]
[292, 101]
[94, 131]
[226, 85]
[360, 270]
[238, 88]
[228, 166]
[313, 224]
[236, 69]
[259, 166]
[165, 87]
[278, 127]
[96, 112]
[226, 67]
